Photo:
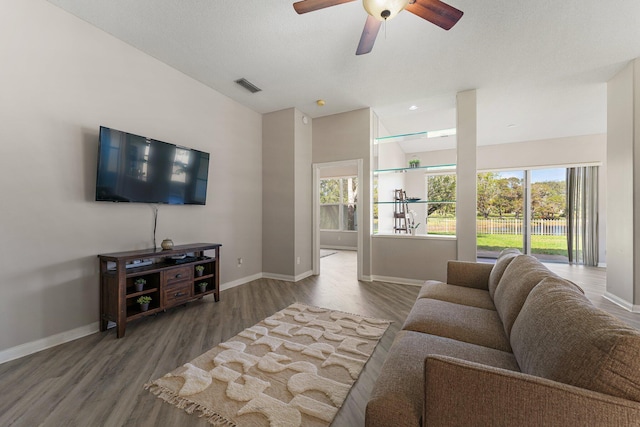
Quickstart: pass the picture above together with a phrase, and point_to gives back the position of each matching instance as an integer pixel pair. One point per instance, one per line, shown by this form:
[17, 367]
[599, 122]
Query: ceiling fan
[434, 11]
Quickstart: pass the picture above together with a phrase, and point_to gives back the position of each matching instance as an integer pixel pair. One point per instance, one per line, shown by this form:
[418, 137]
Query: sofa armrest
[458, 392]
[469, 274]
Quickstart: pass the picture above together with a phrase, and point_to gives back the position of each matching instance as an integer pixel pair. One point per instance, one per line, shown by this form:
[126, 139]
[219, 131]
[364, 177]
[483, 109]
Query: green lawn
[548, 245]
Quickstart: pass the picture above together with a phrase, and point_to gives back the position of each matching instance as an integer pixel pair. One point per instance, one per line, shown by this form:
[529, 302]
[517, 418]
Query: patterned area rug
[294, 368]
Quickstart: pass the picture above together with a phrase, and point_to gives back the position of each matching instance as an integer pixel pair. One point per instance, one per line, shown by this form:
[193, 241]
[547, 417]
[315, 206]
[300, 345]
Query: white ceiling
[540, 67]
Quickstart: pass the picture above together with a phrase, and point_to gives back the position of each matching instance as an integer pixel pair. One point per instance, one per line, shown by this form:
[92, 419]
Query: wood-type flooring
[98, 380]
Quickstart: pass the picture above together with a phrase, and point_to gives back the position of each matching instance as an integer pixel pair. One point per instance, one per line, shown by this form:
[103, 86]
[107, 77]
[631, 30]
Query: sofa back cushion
[503, 261]
[561, 336]
[521, 275]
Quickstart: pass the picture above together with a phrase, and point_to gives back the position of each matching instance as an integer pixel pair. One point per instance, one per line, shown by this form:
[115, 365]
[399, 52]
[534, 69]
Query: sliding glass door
[500, 221]
[548, 214]
[523, 209]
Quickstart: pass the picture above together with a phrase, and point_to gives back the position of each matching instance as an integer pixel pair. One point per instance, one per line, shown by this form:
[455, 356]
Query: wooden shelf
[133, 314]
[169, 282]
[142, 292]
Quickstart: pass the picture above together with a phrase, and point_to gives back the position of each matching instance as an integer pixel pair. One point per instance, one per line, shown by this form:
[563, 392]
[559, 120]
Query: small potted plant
[139, 284]
[414, 163]
[203, 286]
[199, 270]
[144, 302]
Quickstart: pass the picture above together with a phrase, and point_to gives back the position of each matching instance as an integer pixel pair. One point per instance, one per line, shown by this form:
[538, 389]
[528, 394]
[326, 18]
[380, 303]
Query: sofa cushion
[456, 294]
[398, 395]
[459, 322]
[503, 261]
[523, 273]
[469, 274]
[560, 335]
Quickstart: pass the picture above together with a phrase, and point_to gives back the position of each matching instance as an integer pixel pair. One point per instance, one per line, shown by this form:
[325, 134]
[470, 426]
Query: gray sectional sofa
[508, 344]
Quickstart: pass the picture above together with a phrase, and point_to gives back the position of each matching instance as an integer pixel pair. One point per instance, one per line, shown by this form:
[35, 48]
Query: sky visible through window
[539, 175]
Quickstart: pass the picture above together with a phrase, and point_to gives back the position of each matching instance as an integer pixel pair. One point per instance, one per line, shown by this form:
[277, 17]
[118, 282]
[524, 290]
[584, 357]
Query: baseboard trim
[398, 280]
[304, 275]
[286, 277]
[602, 265]
[339, 248]
[622, 303]
[275, 276]
[240, 281]
[48, 342]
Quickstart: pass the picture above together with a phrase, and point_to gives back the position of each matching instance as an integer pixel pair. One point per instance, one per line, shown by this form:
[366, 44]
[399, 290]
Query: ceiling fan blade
[369, 34]
[436, 12]
[305, 6]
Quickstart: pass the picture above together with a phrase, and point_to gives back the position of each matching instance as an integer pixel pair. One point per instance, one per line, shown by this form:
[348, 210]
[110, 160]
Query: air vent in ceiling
[248, 85]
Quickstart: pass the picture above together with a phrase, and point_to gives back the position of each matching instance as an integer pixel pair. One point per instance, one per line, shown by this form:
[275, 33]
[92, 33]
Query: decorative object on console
[199, 270]
[144, 302]
[203, 286]
[400, 211]
[139, 284]
[166, 244]
[414, 163]
[411, 222]
[294, 368]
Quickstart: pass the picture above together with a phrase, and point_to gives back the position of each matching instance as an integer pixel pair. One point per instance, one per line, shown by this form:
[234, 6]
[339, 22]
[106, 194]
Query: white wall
[347, 136]
[278, 189]
[623, 117]
[287, 195]
[303, 196]
[60, 79]
[411, 259]
[339, 240]
[389, 156]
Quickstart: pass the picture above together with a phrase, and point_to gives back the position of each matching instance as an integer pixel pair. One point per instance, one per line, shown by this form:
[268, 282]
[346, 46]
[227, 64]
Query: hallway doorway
[337, 213]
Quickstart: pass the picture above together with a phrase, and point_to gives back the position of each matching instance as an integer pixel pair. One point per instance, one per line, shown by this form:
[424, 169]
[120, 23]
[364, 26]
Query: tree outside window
[338, 198]
[441, 206]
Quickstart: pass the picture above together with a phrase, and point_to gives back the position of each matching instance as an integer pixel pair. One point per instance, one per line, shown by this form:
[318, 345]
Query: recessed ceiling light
[413, 107]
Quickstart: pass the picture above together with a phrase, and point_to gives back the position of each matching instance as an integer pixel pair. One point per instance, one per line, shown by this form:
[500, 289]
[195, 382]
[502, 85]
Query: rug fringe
[188, 406]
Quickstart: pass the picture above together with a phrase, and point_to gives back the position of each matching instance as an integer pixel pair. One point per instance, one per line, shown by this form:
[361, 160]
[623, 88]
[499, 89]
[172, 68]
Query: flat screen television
[133, 168]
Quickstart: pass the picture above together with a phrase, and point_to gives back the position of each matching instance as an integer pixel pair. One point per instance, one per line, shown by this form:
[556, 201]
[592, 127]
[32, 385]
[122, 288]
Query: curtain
[582, 215]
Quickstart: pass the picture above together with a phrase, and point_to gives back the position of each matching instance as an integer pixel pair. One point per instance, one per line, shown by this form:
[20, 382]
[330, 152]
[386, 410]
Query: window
[534, 221]
[338, 198]
[441, 204]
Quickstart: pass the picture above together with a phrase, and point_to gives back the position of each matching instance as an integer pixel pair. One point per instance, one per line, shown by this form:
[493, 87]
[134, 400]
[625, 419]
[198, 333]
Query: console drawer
[178, 293]
[177, 274]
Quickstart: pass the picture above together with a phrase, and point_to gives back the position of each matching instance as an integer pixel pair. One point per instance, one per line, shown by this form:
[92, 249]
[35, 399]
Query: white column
[466, 131]
[623, 181]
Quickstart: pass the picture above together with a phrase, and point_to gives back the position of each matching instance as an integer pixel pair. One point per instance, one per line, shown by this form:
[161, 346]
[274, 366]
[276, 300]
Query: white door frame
[316, 211]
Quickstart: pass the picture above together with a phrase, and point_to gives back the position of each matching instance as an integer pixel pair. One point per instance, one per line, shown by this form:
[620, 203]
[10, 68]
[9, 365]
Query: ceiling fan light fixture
[384, 10]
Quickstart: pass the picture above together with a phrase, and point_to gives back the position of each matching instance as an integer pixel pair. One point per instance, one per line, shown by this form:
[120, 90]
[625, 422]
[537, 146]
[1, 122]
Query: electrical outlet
[239, 262]
[298, 260]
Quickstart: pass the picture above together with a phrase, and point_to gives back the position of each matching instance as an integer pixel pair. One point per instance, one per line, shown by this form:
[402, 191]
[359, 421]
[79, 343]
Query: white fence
[539, 227]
